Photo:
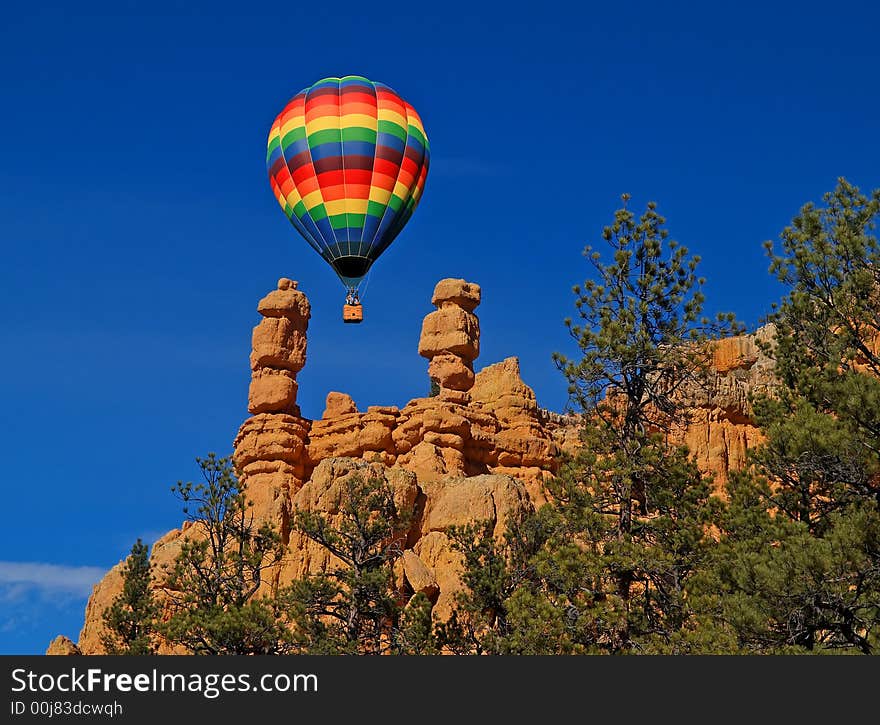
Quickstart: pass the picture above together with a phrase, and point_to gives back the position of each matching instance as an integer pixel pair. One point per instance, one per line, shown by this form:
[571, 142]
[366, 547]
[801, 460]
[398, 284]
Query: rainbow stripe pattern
[347, 159]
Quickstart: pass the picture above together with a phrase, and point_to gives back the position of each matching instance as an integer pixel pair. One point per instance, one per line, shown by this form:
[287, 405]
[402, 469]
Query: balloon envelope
[347, 160]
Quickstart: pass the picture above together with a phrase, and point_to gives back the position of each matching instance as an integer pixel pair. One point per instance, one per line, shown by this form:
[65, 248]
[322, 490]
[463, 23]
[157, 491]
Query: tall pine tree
[130, 620]
[214, 585]
[605, 566]
[356, 607]
[798, 563]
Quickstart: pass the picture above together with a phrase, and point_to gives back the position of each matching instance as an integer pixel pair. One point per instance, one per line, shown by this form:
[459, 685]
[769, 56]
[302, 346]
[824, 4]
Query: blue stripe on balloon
[273, 157]
[314, 232]
[381, 232]
[360, 148]
[389, 140]
[325, 150]
[348, 82]
[307, 229]
[326, 231]
[352, 233]
[297, 147]
[371, 224]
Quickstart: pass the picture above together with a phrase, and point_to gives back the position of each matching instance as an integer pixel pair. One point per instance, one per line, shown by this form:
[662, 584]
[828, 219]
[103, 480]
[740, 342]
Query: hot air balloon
[347, 160]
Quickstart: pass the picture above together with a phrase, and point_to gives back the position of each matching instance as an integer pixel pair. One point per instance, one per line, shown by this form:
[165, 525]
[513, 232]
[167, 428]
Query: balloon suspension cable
[366, 282]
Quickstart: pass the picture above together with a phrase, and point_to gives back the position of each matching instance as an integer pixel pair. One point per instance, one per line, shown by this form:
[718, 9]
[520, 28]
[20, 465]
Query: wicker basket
[352, 314]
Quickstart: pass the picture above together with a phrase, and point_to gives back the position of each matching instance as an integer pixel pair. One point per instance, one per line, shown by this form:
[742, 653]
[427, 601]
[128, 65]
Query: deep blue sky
[138, 228]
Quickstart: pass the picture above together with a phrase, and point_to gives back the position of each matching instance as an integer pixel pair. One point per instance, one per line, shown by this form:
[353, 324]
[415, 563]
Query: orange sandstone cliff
[480, 450]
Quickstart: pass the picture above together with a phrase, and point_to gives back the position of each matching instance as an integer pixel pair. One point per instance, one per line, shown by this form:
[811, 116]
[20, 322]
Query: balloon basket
[352, 314]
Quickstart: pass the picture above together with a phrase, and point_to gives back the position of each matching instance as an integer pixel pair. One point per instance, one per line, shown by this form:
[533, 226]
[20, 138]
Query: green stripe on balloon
[359, 133]
[328, 135]
[318, 213]
[293, 135]
[413, 131]
[392, 128]
[374, 208]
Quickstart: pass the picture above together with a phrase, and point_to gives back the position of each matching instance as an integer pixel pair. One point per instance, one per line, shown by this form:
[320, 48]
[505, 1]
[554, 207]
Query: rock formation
[480, 450]
[451, 337]
[721, 430]
[429, 564]
[62, 645]
[279, 350]
[269, 448]
[476, 425]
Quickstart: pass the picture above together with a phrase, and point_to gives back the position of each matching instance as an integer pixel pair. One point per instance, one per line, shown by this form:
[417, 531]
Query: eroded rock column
[270, 445]
[279, 349]
[432, 433]
[451, 338]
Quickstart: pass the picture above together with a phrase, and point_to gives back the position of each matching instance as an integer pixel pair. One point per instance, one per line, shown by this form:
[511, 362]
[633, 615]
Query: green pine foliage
[357, 607]
[644, 342]
[215, 583]
[823, 422]
[500, 583]
[797, 564]
[633, 497]
[129, 621]
[605, 567]
[634, 553]
[774, 587]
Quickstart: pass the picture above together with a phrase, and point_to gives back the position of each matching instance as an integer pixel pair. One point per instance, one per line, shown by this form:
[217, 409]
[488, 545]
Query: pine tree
[357, 608]
[645, 347]
[496, 612]
[798, 562]
[214, 585]
[644, 344]
[130, 620]
[823, 422]
[605, 567]
[775, 587]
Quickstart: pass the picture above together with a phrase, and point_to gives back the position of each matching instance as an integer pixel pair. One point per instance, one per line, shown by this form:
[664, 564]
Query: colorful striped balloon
[347, 160]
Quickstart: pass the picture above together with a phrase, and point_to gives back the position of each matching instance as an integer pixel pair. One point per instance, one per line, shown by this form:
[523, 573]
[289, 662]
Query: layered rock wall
[721, 429]
[477, 424]
[480, 450]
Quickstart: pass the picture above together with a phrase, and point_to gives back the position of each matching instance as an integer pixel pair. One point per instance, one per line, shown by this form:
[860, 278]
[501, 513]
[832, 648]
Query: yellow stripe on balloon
[293, 196]
[321, 124]
[312, 199]
[291, 123]
[417, 126]
[359, 119]
[274, 132]
[389, 114]
[356, 206]
[334, 207]
[379, 195]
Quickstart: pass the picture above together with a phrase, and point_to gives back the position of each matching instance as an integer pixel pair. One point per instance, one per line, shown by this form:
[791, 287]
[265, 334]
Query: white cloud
[18, 576]
[38, 599]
